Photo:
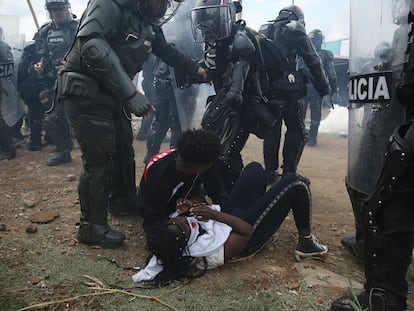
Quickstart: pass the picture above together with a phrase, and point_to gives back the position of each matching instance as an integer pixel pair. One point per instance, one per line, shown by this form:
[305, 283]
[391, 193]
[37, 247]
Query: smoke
[336, 122]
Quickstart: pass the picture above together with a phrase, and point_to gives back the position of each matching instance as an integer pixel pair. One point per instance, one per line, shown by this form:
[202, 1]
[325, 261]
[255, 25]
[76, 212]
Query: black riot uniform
[29, 85]
[235, 66]
[166, 113]
[54, 39]
[387, 215]
[313, 99]
[289, 34]
[114, 39]
[7, 149]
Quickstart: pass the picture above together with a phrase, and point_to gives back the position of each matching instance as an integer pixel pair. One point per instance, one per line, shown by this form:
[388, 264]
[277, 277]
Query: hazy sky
[331, 16]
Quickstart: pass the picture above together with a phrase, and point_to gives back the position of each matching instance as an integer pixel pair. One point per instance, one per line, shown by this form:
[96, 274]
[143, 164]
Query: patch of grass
[36, 272]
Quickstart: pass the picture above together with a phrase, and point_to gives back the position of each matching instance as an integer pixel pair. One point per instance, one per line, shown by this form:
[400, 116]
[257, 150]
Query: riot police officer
[29, 85]
[234, 64]
[7, 149]
[385, 213]
[114, 39]
[312, 99]
[54, 39]
[288, 32]
[166, 113]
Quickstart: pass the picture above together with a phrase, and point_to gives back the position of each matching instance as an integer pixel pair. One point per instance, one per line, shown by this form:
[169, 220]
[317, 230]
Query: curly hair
[169, 246]
[199, 146]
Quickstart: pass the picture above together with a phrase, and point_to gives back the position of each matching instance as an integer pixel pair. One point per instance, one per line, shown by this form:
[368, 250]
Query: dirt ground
[27, 186]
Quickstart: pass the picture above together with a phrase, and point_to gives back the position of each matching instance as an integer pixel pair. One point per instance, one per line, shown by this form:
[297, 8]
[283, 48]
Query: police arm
[314, 63]
[330, 72]
[241, 49]
[103, 63]
[187, 70]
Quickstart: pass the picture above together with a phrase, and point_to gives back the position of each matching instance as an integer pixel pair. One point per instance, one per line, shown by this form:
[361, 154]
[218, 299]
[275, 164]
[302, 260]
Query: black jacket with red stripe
[161, 186]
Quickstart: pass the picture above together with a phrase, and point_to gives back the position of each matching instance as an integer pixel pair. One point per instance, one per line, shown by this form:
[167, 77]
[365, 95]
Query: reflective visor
[211, 23]
[172, 7]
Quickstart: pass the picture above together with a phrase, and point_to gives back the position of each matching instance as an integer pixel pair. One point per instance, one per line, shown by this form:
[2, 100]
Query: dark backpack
[271, 58]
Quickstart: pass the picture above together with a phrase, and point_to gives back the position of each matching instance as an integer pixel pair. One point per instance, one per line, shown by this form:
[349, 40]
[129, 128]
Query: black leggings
[266, 211]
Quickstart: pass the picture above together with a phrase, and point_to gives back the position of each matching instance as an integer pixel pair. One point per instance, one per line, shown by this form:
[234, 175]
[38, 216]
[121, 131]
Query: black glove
[138, 104]
[235, 99]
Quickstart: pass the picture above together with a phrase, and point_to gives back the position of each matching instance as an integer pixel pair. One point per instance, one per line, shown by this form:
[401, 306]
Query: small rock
[293, 285]
[29, 203]
[35, 281]
[3, 227]
[44, 217]
[70, 177]
[31, 229]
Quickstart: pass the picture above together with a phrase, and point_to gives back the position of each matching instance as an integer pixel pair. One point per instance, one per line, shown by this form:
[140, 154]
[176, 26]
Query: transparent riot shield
[11, 106]
[377, 43]
[191, 100]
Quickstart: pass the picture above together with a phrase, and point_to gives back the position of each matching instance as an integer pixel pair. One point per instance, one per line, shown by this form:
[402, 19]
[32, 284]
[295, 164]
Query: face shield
[317, 39]
[59, 13]
[211, 23]
[158, 12]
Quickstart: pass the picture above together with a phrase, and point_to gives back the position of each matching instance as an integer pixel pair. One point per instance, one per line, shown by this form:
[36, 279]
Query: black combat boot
[59, 158]
[99, 235]
[7, 149]
[7, 155]
[94, 188]
[313, 134]
[35, 143]
[375, 299]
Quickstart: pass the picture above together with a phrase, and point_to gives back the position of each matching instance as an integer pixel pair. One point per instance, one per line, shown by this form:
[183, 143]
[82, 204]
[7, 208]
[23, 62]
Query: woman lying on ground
[200, 235]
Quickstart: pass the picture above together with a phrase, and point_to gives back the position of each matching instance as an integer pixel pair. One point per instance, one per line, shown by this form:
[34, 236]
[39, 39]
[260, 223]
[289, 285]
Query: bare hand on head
[202, 211]
[202, 72]
[183, 206]
[38, 68]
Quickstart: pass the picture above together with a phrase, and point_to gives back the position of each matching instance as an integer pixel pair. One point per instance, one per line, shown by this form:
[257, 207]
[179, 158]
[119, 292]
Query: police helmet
[213, 20]
[59, 11]
[291, 13]
[317, 38]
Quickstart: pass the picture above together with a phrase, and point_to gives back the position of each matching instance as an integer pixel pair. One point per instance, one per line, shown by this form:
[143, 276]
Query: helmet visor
[158, 12]
[211, 23]
[169, 11]
[60, 13]
[290, 15]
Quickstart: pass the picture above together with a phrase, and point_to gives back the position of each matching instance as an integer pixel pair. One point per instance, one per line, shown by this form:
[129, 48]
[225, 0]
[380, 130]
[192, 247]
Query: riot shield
[11, 106]
[191, 100]
[377, 44]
